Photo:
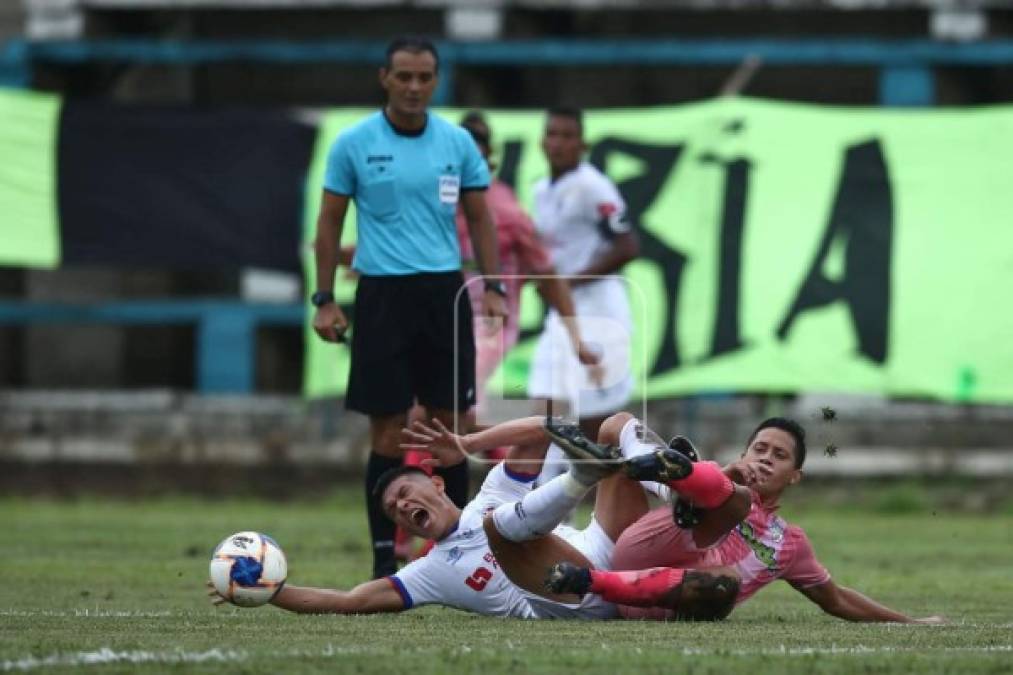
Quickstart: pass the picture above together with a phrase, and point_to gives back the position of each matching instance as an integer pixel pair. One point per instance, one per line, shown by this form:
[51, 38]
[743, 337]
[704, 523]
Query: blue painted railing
[905, 65]
[226, 330]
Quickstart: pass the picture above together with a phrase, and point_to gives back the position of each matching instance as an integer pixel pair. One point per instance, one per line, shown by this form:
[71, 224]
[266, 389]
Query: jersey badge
[453, 555]
[776, 530]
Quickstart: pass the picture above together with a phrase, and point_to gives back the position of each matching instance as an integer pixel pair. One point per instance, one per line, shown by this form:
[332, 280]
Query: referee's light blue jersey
[406, 189]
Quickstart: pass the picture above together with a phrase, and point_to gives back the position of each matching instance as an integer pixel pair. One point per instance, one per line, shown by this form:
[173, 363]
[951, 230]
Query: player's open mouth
[419, 518]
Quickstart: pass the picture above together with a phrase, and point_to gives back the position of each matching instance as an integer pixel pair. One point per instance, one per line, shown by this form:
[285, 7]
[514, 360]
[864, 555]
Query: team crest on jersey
[776, 530]
[453, 555]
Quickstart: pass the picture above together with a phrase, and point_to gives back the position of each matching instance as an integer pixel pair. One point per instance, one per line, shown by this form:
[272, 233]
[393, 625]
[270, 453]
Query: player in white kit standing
[580, 217]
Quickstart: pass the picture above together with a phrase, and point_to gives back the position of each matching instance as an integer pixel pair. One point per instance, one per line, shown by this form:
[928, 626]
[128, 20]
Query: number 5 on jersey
[479, 578]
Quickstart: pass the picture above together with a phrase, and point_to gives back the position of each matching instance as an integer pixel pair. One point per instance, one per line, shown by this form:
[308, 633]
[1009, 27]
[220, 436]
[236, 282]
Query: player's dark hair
[790, 427]
[571, 112]
[391, 475]
[413, 44]
[474, 123]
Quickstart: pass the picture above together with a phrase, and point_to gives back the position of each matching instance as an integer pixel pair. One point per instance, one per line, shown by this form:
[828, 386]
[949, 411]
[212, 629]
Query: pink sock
[639, 588]
[706, 487]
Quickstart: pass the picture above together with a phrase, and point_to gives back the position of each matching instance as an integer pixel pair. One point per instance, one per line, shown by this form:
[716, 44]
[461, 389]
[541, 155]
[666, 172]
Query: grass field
[117, 586]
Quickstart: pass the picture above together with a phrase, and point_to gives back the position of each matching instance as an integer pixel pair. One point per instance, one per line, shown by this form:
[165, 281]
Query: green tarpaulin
[787, 247]
[29, 230]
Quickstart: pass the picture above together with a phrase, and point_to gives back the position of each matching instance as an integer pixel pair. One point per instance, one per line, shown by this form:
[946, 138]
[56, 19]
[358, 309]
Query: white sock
[540, 511]
[631, 446]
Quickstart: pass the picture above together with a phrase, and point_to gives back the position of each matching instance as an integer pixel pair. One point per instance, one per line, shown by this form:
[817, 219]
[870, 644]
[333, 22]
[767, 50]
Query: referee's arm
[329, 321]
[483, 241]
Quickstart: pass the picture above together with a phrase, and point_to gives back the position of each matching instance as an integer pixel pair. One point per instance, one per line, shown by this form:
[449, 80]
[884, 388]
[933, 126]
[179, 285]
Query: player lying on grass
[757, 543]
[491, 557]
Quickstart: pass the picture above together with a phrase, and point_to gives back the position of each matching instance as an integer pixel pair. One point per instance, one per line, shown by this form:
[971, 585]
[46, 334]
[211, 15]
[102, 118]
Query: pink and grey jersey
[520, 251]
[763, 548]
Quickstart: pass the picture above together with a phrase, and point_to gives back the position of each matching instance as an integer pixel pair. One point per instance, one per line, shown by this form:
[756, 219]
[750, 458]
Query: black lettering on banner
[726, 336]
[639, 193]
[863, 215]
[511, 161]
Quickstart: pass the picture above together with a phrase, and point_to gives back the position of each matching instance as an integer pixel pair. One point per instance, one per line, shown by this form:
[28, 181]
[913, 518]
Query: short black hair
[790, 427]
[411, 43]
[474, 123]
[391, 475]
[575, 114]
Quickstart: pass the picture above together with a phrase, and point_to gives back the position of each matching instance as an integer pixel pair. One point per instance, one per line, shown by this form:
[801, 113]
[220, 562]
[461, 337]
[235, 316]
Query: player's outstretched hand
[214, 595]
[447, 447]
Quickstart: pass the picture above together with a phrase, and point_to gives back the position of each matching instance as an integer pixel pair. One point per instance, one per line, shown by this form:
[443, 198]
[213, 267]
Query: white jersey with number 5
[460, 571]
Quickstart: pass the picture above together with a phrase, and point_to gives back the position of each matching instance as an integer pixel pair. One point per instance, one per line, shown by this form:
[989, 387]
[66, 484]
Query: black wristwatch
[496, 287]
[321, 298]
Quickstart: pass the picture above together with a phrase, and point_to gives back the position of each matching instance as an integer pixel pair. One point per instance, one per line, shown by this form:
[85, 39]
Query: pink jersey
[762, 548]
[520, 253]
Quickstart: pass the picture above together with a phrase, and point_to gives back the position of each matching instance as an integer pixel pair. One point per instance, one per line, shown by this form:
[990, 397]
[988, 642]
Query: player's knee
[708, 595]
[612, 427]
[499, 532]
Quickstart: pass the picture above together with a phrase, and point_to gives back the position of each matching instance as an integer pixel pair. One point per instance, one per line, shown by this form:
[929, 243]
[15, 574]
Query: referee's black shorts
[412, 339]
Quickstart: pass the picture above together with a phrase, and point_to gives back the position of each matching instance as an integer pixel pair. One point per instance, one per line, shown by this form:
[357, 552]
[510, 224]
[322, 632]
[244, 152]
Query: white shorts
[603, 315]
[596, 546]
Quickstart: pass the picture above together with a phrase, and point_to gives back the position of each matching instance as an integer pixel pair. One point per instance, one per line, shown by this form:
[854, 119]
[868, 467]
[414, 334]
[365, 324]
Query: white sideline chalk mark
[834, 650]
[85, 613]
[105, 655]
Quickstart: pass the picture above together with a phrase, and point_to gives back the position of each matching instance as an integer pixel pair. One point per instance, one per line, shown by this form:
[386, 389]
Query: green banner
[787, 247]
[29, 230]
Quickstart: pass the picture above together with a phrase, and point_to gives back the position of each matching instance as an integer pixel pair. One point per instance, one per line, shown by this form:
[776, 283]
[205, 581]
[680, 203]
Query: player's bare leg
[386, 453]
[385, 434]
[620, 501]
[591, 426]
[519, 533]
[719, 504]
[525, 562]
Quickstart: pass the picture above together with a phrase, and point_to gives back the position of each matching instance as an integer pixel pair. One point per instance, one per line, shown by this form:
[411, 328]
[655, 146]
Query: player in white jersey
[492, 557]
[580, 217]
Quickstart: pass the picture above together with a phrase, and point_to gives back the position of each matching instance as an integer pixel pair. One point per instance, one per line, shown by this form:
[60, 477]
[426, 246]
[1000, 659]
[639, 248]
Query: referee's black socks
[455, 482]
[381, 528]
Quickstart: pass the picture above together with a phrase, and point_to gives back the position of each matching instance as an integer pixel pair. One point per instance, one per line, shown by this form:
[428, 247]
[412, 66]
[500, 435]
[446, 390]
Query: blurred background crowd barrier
[161, 161]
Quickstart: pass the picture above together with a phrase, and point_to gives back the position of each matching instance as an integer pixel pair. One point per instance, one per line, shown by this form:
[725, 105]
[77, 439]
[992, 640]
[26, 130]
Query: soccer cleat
[685, 446]
[566, 577]
[572, 441]
[685, 515]
[660, 466]
[591, 462]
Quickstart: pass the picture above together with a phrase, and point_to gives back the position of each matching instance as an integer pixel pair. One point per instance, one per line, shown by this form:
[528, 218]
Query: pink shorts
[656, 541]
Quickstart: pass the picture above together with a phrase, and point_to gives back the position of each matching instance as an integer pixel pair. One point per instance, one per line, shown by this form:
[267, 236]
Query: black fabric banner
[181, 188]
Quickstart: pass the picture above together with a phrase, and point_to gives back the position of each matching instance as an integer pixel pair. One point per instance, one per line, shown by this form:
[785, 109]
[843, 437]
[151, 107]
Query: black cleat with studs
[576, 445]
[685, 515]
[566, 577]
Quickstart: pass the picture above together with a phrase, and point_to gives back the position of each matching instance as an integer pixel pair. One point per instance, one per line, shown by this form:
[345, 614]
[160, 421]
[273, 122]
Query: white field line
[106, 655]
[86, 613]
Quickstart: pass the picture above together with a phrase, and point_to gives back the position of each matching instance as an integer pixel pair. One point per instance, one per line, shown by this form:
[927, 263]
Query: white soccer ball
[248, 568]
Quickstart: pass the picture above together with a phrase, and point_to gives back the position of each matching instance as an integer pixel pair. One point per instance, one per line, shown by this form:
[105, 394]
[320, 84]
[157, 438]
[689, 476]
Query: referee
[407, 170]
